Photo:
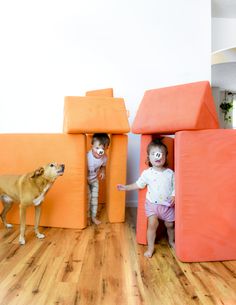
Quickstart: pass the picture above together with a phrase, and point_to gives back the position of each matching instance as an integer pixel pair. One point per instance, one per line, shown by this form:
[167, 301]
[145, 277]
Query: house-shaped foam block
[92, 114]
[183, 107]
[205, 169]
[65, 203]
[99, 112]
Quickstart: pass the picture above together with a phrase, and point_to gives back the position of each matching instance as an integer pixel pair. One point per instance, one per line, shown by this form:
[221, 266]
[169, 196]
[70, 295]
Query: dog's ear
[38, 172]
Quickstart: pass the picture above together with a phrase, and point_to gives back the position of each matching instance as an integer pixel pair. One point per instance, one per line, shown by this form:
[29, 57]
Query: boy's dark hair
[102, 138]
[156, 143]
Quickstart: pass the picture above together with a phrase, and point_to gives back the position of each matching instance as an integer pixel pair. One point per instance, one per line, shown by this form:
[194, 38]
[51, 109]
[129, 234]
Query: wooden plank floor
[104, 265]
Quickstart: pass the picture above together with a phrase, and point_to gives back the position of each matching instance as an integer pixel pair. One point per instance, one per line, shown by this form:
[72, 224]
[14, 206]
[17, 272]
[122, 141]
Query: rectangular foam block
[183, 107]
[116, 173]
[141, 227]
[92, 114]
[205, 163]
[65, 204]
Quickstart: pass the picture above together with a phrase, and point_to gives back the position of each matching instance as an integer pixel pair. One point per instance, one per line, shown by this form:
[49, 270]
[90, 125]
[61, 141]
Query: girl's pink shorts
[161, 211]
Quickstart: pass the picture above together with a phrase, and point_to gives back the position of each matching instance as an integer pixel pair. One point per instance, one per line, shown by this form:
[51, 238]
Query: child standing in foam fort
[160, 196]
[97, 160]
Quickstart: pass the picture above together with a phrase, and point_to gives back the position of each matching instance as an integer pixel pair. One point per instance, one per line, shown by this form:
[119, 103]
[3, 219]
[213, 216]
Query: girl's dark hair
[156, 143]
[102, 138]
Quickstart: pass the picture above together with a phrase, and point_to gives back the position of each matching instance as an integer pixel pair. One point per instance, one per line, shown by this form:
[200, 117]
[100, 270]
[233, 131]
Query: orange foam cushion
[92, 114]
[183, 107]
[65, 203]
[141, 228]
[205, 163]
[116, 173]
[101, 92]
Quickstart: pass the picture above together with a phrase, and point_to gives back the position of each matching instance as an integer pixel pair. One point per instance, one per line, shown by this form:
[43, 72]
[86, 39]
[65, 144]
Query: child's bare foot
[149, 252]
[96, 221]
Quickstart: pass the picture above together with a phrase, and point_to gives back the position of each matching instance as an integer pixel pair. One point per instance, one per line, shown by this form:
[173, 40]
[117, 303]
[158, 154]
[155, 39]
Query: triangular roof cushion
[183, 107]
[92, 114]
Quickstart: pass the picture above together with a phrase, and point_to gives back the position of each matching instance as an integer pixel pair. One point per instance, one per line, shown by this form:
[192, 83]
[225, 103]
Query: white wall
[53, 48]
[223, 75]
[223, 33]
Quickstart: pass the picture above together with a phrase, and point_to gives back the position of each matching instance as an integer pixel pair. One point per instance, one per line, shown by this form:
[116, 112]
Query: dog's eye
[51, 165]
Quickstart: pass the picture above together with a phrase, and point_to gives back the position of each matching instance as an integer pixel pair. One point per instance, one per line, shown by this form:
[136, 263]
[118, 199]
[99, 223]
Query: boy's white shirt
[160, 185]
[94, 165]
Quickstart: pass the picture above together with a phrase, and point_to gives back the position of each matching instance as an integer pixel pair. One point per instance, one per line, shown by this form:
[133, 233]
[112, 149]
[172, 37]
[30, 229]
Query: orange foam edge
[108, 92]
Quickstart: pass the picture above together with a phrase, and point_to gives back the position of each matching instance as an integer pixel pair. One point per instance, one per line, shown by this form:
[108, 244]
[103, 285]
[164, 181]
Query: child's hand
[121, 187]
[172, 201]
[102, 175]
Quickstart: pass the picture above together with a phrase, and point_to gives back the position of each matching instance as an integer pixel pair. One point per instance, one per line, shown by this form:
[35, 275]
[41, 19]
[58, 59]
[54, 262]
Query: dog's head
[50, 171]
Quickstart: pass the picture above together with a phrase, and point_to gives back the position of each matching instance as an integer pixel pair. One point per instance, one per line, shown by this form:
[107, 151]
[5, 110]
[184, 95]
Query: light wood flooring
[104, 265]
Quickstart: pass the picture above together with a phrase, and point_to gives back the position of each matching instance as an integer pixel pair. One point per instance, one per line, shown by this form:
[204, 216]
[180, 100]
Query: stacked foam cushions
[102, 113]
[205, 163]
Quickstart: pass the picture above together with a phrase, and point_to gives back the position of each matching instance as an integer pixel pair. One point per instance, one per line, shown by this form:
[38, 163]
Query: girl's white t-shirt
[94, 165]
[160, 185]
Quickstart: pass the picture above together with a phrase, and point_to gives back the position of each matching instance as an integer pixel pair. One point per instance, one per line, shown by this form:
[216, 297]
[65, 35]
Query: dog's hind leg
[22, 224]
[7, 204]
[37, 219]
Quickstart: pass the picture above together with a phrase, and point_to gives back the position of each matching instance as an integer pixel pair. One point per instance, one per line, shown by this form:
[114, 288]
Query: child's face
[157, 157]
[98, 149]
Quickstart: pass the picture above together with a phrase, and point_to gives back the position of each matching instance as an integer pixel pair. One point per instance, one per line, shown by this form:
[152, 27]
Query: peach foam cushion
[183, 107]
[205, 163]
[65, 203]
[92, 114]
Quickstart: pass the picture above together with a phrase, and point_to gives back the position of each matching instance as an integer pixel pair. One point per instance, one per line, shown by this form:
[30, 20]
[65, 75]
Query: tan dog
[28, 189]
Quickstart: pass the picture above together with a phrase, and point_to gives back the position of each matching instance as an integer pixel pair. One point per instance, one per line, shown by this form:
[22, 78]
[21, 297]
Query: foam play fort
[66, 203]
[204, 162]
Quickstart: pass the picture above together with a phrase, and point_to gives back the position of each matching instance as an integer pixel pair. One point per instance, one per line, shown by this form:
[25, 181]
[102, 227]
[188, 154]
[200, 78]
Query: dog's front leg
[7, 204]
[22, 224]
[37, 219]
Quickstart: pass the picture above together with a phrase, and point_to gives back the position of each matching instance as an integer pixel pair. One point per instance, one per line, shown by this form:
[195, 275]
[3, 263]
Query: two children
[160, 196]
[159, 180]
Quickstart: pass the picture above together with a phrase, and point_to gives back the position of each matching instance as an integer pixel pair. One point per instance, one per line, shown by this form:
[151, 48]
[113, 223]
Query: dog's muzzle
[61, 170]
